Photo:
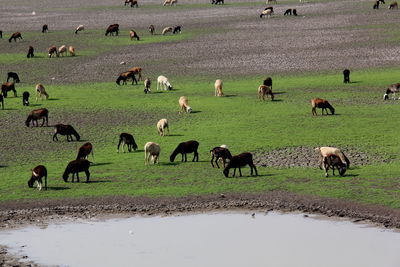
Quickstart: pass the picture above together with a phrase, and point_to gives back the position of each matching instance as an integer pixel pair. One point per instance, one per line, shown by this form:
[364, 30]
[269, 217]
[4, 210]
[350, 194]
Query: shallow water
[221, 239]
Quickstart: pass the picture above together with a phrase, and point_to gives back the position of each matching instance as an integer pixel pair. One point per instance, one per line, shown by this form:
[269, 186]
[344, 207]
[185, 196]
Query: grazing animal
[392, 89]
[152, 29]
[269, 7]
[326, 150]
[67, 130]
[238, 161]
[85, 150]
[376, 5]
[133, 3]
[45, 28]
[166, 30]
[183, 103]
[220, 152]
[25, 98]
[138, 71]
[14, 76]
[294, 11]
[147, 84]
[170, 2]
[266, 13]
[2, 101]
[162, 126]
[53, 50]
[321, 103]
[177, 29]
[265, 91]
[216, 2]
[15, 36]
[38, 173]
[75, 167]
[151, 153]
[184, 148]
[79, 28]
[30, 52]
[37, 114]
[268, 82]
[71, 51]
[333, 162]
[163, 83]
[218, 88]
[6, 87]
[288, 12]
[112, 28]
[62, 50]
[346, 76]
[124, 76]
[127, 139]
[393, 5]
[41, 92]
[133, 34]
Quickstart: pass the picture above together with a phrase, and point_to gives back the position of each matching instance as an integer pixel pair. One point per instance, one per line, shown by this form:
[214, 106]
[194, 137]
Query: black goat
[294, 11]
[85, 150]
[38, 173]
[1, 34]
[177, 29]
[25, 98]
[75, 167]
[268, 82]
[30, 52]
[332, 161]
[216, 2]
[111, 29]
[220, 152]
[15, 36]
[2, 101]
[288, 12]
[45, 28]
[346, 76]
[127, 139]
[67, 130]
[184, 148]
[14, 76]
[241, 160]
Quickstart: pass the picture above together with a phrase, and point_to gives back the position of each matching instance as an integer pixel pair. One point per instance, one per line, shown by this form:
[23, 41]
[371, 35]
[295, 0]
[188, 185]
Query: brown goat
[265, 91]
[133, 35]
[85, 150]
[14, 36]
[112, 28]
[53, 50]
[38, 173]
[124, 76]
[37, 114]
[6, 87]
[321, 103]
[30, 52]
[138, 71]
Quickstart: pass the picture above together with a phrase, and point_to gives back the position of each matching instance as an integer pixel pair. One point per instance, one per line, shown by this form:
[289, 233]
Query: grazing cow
[393, 5]
[147, 84]
[162, 126]
[267, 13]
[75, 167]
[138, 71]
[15, 36]
[133, 35]
[62, 50]
[37, 114]
[45, 28]
[30, 52]
[52, 50]
[151, 153]
[321, 103]
[67, 130]
[85, 150]
[124, 76]
[14, 76]
[112, 28]
[2, 101]
[25, 98]
[166, 30]
[41, 92]
[346, 76]
[177, 29]
[6, 87]
[152, 29]
[216, 2]
[126, 139]
[239, 161]
[185, 148]
[79, 28]
[331, 161]
[288, 12]
[220, 152]
[38, 173]
[265, 91]
[71, 51]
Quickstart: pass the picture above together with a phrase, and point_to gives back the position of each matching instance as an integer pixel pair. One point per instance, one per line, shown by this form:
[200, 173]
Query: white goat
[62, 50]
[267, 13]
[183, 103]
[218, 88]
[325, 151]
[170, 2]
[79, 28]
[166, 30]
[40, 91]
[163, 83]
[162, 126]
[151, 153]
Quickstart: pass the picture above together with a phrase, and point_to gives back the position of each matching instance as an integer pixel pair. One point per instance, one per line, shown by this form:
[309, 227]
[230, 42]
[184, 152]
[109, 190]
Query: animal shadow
[230, 95]
[57, 188]
[279, 93]
[174, 135]
[100, 164]
[196, 111]
[35, 105]
[53, 99]
[170, 163]
[99, 181]
[277, 100]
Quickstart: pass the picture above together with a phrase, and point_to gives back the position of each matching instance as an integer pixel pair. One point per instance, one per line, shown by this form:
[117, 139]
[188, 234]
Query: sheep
[71, 51]
[152, 29]
[133, 34]
[138, 71]
[346, 76]
[184, 148]
[183, 103]
[37, 114]
[45, 28]
[162, 126]
[218, 88]
[79, 28]
[6, 87]
[62, 50]
[52, 50]
[67, 130]
[85, 150]
[111, 29]
[2, 101]
[147, 84]
[170, 2]
[238, 161]
[321, 103]
[220, 152]
[151, 153]
[75, 167]
[266, 13]
[216, 2]
[124, 76]
[167, 30]
[265, 91]
[38, 173]
[332, 161]
[30, 52]
[25, 98]
[41, 92]
[163, 83]
[14, 76]
[288, 12]
[393, 5]
[177, 29]
[15, 36]
[126, 139]
[325, 151]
